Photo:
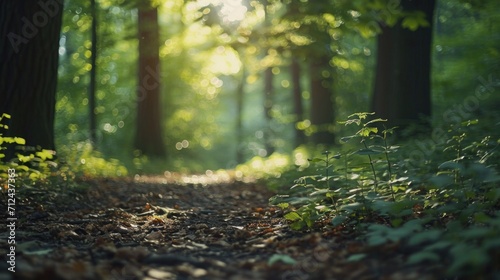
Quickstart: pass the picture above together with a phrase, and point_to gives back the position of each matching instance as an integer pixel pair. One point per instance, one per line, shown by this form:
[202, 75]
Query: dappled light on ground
[210, 177]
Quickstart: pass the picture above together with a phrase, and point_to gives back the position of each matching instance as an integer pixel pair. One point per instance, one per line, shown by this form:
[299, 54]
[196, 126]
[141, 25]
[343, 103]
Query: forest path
[189, 228]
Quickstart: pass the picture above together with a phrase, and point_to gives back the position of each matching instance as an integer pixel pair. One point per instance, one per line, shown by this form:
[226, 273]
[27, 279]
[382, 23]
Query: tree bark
[29, 59]
[402, 91]
[322, 114]
[298, 108]
[149, 138]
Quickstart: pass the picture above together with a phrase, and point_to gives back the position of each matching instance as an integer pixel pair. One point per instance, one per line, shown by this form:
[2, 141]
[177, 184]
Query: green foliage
[449, 212]
[82, 160]
[34, 166]
[415, 20]
[41, 165]
[260, 167]
[203, 58]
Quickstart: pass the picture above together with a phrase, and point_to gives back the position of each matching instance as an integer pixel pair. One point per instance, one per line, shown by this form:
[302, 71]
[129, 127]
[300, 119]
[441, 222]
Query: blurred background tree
[148, 135]
[245, 78]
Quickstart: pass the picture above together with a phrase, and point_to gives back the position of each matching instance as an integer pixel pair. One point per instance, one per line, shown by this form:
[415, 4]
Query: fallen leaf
[155, 235]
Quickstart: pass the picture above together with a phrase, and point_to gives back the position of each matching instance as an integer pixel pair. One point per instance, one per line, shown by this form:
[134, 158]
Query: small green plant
[449, 212]
[33, 166]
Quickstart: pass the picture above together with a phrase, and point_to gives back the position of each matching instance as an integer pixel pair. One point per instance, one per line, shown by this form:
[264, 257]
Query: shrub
[449, 212]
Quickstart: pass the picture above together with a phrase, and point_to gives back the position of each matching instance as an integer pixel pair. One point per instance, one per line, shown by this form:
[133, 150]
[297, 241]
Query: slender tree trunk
[297, 101]
[149, 137]
[240, 93]
[268, 106]
[322, 114]
[92, 85]
[402, 84]
[29, 58]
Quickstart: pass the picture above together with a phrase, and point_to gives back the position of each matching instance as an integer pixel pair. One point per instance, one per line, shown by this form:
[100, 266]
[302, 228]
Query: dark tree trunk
[322, 114]
[149, 137]
[298, 108]
[402, 83]
[29, 59]
[268, 106]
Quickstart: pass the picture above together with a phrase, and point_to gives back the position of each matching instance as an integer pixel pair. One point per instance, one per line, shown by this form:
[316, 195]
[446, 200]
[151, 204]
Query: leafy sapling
[326, 160]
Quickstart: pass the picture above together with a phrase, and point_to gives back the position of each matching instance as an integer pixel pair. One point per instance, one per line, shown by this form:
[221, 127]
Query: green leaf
[356, 257]
[375, 120]
[483, 173]
[292, 216]
[23, 168]
[423, 256]
[20, 141]
[441, 181]
[319, 192]
[382, 206]
[316, 160]
[347, 138]
[365, 131]
[361, 115]
[5, 115]
[469, 122]
[376, 240]
[415, 20]
[338, 220]
[451, 165]
[349, 122]
[280, 198]
[45, 154]
[365, 152]
[286, 259]
[283, 205]
[396, 222]
[351, 206]
[481, 217]
[440, 245]
[17, 140]
[298, 225]
[425, 236]
[465, 255]
[476, 233]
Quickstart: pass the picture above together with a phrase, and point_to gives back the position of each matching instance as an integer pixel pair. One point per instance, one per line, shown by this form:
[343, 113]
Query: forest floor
[182, 228]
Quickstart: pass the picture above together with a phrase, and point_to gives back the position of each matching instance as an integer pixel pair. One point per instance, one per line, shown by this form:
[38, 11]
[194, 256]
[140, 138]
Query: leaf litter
[150, 228]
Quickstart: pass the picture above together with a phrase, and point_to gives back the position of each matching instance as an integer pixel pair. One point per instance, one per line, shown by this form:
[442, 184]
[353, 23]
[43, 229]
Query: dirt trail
[189, 228]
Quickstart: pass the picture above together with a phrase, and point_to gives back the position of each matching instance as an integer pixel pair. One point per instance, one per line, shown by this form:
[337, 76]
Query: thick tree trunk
[29, 59]
[298, 108]
[322, 114]
[402, 83]
[149, 137]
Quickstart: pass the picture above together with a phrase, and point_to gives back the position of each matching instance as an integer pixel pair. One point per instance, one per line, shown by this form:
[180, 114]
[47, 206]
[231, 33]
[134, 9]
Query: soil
[196, 227]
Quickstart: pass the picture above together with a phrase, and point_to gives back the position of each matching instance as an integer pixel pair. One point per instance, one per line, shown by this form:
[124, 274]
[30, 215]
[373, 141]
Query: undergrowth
[445, 207]
[36, 167]
[30, 165]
